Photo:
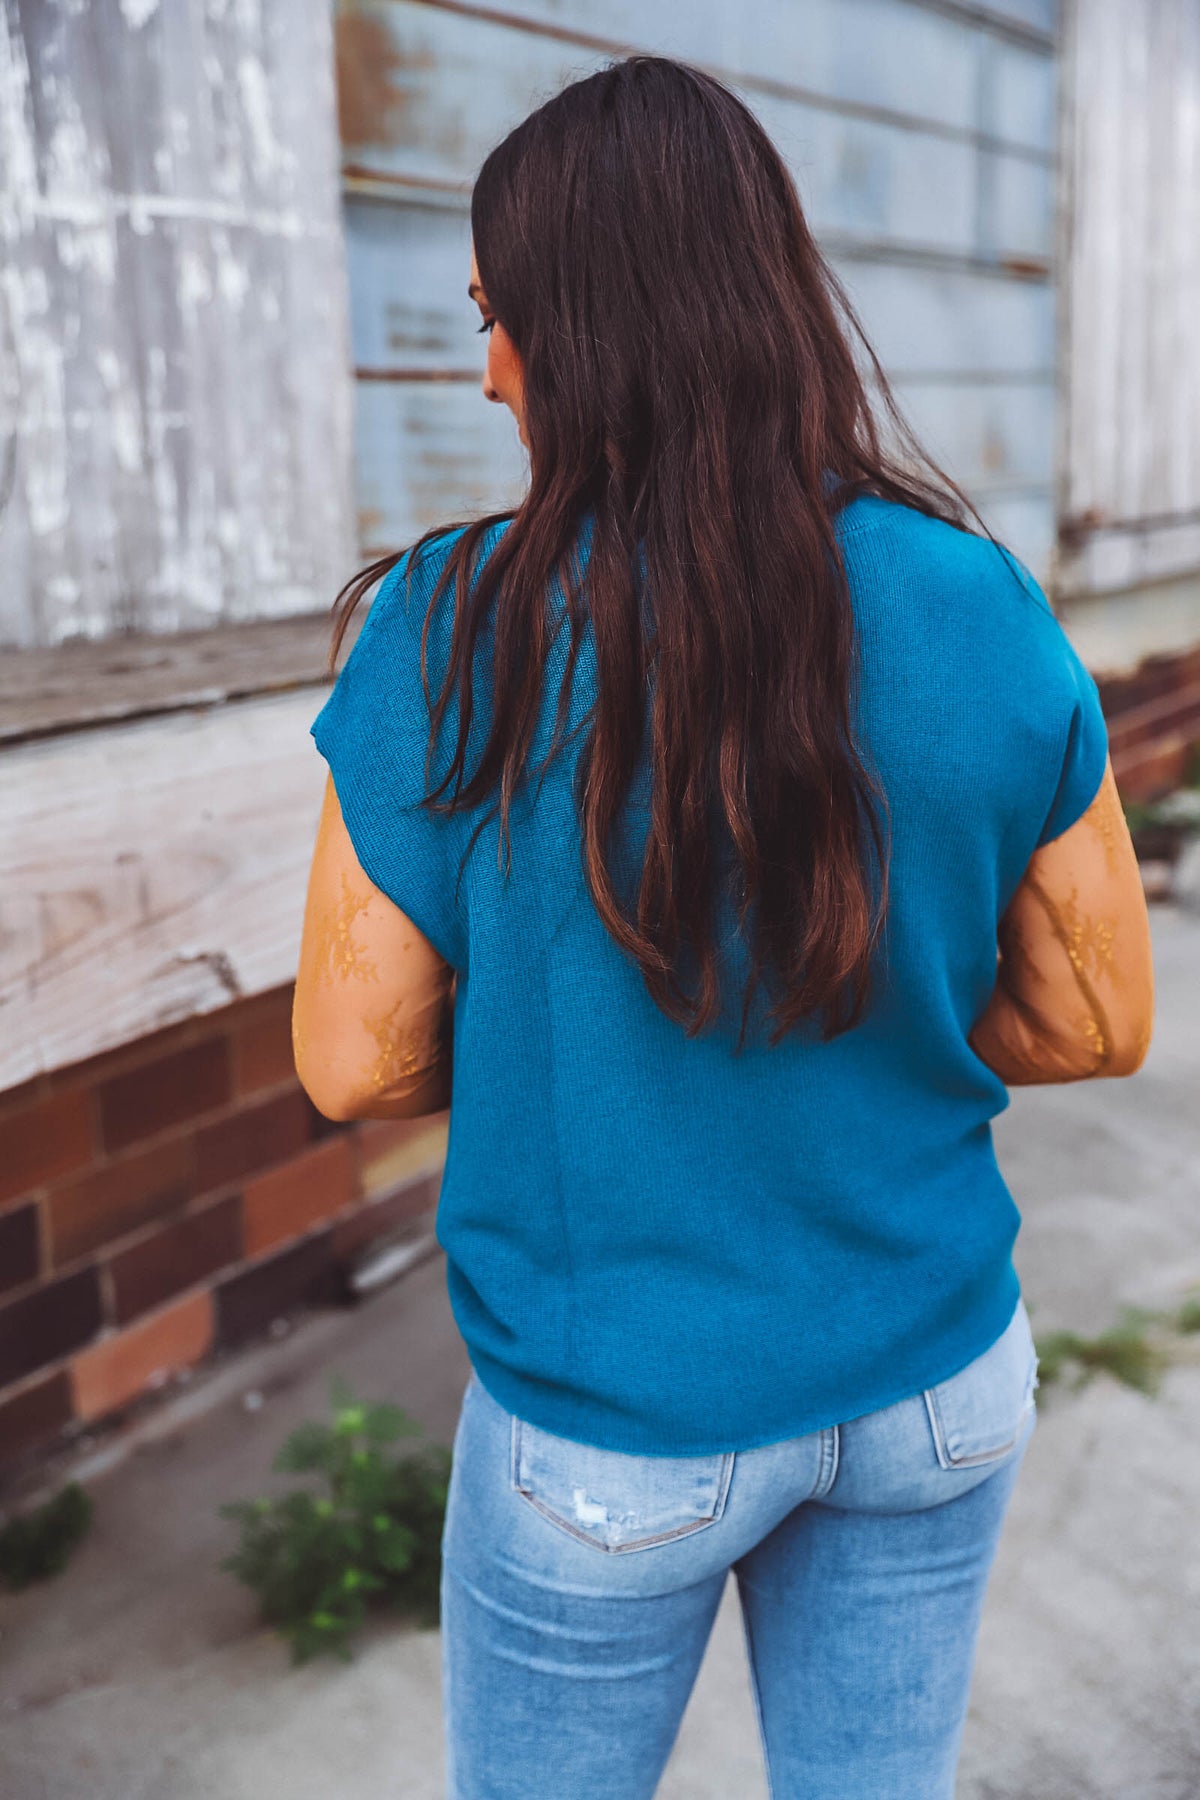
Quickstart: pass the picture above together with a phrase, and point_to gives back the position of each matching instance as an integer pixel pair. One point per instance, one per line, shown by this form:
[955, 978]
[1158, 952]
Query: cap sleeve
[373, 732]
[1085, 738]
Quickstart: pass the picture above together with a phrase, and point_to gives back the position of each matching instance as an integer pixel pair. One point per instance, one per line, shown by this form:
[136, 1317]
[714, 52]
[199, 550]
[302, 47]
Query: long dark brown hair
[689, 384]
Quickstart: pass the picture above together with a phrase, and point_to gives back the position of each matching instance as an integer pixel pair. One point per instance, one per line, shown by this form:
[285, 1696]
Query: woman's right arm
[1074, 994]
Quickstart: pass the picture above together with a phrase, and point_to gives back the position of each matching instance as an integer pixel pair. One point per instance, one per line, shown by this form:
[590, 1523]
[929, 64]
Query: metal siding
[1131, 478]
[922, 140]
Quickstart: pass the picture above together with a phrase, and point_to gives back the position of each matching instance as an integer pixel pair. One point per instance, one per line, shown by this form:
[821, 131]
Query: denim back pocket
[978, 1415]
[614, 1501]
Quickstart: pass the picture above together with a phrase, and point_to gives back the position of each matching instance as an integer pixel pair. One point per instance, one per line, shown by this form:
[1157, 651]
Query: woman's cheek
[502, 367]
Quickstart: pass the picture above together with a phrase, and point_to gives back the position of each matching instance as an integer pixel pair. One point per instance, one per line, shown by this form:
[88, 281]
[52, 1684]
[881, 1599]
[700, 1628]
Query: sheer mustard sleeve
[373, 1010]
[1074, 995]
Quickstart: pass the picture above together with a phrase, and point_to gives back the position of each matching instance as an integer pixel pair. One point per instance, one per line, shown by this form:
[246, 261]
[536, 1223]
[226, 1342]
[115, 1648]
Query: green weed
[37, 1544]
[368, 1534]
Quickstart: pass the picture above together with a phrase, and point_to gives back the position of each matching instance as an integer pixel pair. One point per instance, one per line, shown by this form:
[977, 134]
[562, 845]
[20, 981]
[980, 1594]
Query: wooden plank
[98, 683]
[409, 267]
[927, 64]
[1132, 478]
[175, 298]
[410, 309]
[430, 453]
[1126, 556]
[991, 436]
[448, 86]
[1025, 523]
[152, 871]
[929, 320]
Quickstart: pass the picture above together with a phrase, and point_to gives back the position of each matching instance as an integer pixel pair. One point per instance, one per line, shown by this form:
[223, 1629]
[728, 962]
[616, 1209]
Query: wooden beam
[99, 683]
[152, 871]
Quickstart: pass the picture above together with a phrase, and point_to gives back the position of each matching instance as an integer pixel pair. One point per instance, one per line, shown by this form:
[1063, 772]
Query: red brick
[157, 1095]
[18, 1246]
[48, 1323]
[379, 1219]
[118, 1368]
[14, 1099]
[118, 1197]
[34, 1415]
[245, 1142]
[45, 1141]
[262, 1048]
[302, 1275]
[178, 1257]
[291, 1200]
[135, 1053]
[1149, 772]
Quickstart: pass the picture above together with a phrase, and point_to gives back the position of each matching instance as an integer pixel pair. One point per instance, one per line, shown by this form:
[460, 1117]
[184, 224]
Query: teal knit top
[654, 1244]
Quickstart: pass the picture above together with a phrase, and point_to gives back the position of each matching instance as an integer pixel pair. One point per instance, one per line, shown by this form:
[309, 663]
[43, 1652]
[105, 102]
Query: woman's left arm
[373, 1013]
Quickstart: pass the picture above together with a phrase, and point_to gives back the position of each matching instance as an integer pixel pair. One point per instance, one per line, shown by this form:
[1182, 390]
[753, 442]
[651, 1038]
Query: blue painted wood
[927, 320]
[409, 268]
[459, 83]
[922, 145]
[913, 59]
[429, 454]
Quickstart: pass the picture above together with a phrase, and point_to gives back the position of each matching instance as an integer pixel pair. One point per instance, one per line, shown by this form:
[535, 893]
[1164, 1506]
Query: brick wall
[1153, 718]
[174, 1197]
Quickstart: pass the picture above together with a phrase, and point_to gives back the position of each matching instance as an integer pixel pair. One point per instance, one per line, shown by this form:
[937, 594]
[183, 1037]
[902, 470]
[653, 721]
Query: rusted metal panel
[173, 325]
[1131, 469]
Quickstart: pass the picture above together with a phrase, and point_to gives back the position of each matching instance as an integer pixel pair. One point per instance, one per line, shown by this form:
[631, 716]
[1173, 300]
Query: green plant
[37, 1544]
[368, 1535]
[1140, 814]
[1187, 1319]
[1124, 1350]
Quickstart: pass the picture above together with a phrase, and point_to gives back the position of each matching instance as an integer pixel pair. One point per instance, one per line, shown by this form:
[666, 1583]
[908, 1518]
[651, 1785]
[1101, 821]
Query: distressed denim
[579, 1588]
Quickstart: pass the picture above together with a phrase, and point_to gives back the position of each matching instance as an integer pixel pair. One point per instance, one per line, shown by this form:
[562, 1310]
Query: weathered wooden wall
[1131, 448]
[175, 405]
[923, 140]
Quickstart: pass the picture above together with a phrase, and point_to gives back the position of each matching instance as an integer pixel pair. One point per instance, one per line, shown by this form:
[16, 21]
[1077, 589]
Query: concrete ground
[140, 1673]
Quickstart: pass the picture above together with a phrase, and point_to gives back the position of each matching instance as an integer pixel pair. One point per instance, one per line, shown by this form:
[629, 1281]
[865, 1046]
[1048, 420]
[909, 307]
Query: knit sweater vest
[663, 1245]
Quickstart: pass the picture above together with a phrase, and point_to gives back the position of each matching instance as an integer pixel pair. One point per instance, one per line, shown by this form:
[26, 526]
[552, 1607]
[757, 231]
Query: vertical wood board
[172, 316]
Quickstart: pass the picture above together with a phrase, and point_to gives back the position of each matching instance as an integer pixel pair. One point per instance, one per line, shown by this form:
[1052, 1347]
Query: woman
[767, 833]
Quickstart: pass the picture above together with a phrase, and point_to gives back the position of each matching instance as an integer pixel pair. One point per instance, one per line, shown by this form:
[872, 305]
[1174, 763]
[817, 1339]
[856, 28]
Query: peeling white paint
[136, 13]
[265, 150]
[233, 277]
[126, 431]
[194, 285]
[62, 589]
[173, 472]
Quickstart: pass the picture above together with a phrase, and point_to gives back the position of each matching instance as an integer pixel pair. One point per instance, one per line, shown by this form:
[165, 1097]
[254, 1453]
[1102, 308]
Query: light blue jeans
[579, 1588]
